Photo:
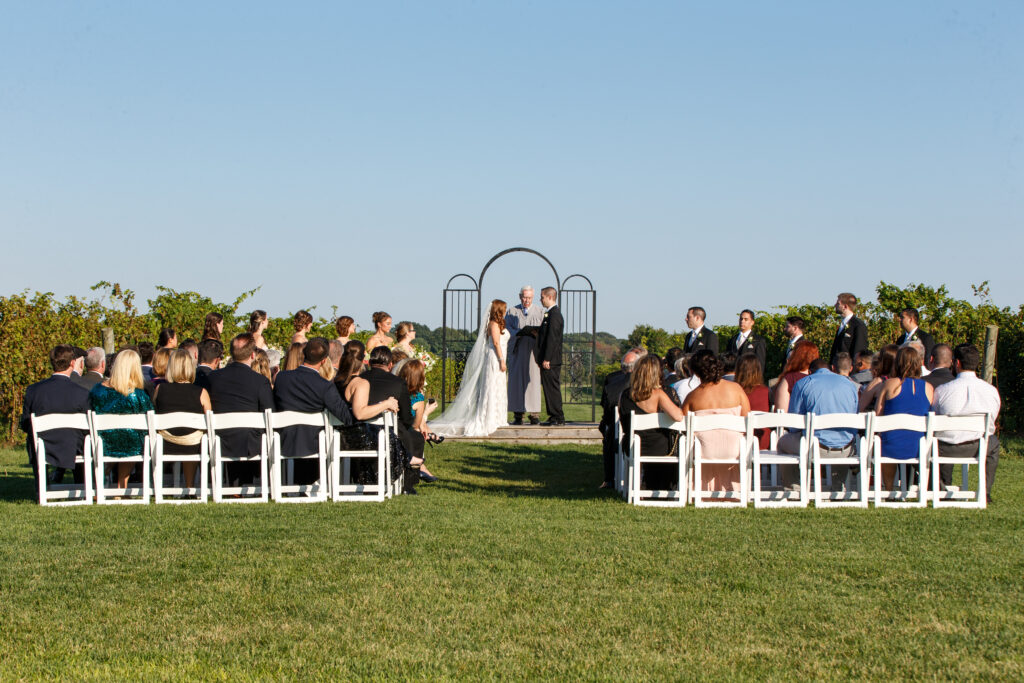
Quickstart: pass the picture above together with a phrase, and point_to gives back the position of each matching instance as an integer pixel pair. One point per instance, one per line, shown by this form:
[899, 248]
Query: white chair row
[276, 467]
[862, 464]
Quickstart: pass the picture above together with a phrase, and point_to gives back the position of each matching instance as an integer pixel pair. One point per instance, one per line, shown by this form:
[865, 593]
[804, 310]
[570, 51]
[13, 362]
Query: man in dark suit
[146, 352]
[748, 341]
[549, 355]
[940, 365]
[237, 388]
[305, 391]
[57, 394]
[909, 318]
[700, 337]
[95, 364]
[793, 330]
[210, 353]
[852, 335]
[384, 385]
[614, 384]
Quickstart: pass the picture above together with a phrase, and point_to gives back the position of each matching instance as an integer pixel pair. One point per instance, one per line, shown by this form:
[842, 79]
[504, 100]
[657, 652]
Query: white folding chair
[636, 460]
[257, 492]
[282, 476]
[962, 496]
[63, 494]
[340, 464]
[133, 493]
[700, 460]
[620, 457]
[773, 458]
[183, 493]
[859, 421]
[907, 495]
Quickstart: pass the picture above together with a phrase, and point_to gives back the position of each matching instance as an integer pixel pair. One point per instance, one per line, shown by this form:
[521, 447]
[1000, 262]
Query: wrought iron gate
[460, 320]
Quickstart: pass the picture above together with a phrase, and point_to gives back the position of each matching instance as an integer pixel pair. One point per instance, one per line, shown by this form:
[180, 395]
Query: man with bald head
[940, 364]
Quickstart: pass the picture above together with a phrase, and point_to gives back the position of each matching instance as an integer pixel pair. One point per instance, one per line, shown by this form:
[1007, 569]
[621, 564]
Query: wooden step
[570, 433]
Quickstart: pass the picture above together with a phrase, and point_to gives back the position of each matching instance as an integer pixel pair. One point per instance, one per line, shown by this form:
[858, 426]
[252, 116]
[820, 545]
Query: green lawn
[513, 566]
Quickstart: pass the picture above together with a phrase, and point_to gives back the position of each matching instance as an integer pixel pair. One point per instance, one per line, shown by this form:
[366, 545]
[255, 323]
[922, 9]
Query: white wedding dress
[481, 406]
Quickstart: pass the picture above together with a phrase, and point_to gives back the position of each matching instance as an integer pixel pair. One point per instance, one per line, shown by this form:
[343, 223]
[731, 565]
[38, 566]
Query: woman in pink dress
[715, 397]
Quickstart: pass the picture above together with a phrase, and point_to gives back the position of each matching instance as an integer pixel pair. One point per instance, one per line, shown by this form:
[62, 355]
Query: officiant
[523, 322]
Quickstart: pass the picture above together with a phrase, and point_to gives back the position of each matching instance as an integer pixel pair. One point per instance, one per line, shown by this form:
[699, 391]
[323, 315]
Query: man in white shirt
[700, 337]
[966, 395]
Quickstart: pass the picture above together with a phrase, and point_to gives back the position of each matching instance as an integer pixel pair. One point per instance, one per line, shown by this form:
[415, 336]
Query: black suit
[927, 340]
[203, 376]
[549, 348]
[237, 388]
[754, 344]
[852, 339]
[88, 380]
[939, 376]
[57, 394]
[305, 391]
[707, 339]
[614, 385]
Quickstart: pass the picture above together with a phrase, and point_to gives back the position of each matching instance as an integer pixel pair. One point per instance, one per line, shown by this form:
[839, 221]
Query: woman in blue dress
[122, 394]
[906, 394]
[414, 374]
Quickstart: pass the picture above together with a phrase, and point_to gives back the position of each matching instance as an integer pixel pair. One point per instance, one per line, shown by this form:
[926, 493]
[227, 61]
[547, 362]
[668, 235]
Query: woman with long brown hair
[257, 323]
[213, 326]
[644, 397]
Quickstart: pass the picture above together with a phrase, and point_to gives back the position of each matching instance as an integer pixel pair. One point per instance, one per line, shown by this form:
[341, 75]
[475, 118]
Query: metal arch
[589, 283]
[448, 286]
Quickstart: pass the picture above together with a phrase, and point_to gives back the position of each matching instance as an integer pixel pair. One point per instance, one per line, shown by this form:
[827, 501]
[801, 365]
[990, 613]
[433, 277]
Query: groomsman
[748, 341]
[909, 318]
[700, 337]
[852, 335]
[794, 332]
[549, 355]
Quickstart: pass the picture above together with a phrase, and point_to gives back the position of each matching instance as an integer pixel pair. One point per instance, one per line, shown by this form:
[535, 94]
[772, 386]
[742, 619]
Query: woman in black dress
[179, 395]
[645, 396]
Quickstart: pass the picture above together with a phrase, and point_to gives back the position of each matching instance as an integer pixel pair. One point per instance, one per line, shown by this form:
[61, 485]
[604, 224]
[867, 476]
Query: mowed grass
[512, 566]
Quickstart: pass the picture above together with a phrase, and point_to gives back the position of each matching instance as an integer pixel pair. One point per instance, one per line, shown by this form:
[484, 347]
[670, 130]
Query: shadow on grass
[536, 471]
[17, 485]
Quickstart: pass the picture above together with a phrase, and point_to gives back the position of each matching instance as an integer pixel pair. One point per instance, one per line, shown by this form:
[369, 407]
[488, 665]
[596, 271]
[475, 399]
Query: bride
[481, 406]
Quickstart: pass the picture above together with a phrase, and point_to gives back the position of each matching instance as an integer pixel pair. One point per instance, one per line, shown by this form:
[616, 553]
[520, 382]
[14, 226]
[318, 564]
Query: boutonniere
[545, 315]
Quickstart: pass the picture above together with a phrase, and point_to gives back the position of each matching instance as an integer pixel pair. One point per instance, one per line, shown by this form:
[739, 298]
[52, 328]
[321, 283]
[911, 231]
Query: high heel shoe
[429, 478]
[434, 438]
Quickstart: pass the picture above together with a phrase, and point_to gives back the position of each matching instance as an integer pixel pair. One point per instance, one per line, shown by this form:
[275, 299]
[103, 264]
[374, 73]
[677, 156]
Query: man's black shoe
[534, 420]
[553, 423]
[517, 422]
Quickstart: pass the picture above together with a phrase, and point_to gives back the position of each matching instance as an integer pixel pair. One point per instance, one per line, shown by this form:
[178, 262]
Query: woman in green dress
[122, 394]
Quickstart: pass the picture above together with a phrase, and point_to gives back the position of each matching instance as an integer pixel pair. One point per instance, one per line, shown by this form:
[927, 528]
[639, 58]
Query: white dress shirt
[966, 395]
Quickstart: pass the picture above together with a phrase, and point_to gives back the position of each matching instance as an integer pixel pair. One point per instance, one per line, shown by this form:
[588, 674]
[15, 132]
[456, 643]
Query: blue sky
[729, 155]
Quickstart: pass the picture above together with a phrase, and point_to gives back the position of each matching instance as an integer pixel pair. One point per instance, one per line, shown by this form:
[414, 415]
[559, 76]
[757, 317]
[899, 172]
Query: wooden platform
[570, 433]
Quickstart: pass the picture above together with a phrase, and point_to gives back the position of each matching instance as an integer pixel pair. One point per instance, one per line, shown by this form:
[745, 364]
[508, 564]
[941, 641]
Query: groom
[549, 355]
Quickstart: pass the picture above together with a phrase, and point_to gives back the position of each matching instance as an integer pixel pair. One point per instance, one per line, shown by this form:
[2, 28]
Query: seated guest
[213, 326]
[862, 374]
[400, 358]
[382, 323]
[168, 339]
[78, 364]
[306, 391]
[965, 395]
[161, 358]
[821, 393]
[728, 366]
[303, 323]
[261, 364]
[257, 325]
[905, 394]
[750, 379]
[237, 388]
[192, 348]
[715, 397]
[356, 390]
[178, 394]
[918, 346]
[406, 334]
[335, 351]
[414, 373]
[294, 358]
[145, 350]
[614, 384]
[940, 366]
[344, 326]
[384, 385]
[669, 374]
[843, 365]
[687, 382]
[797, 367]
[644, 396]
[327, 370]
[95, 365]
[274, 360]
[56, 394]
[210, 352]
[884, 367]
[123, 394]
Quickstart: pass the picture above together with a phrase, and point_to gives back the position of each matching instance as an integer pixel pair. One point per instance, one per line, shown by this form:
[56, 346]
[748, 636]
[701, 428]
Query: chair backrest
[44, 423]
[291, 418]
[172, 420]
[335, 422]
[133, 421]
[659, 420]
[857, 421]
[977, 422]
[238, 420]
[886, 423]
[732, 423]
[761, 420]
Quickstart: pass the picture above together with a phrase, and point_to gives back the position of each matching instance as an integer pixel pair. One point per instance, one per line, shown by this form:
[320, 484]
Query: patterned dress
[120, 443]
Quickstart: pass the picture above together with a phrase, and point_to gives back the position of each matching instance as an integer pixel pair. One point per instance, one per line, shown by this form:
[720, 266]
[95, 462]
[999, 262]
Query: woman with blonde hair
[293, 359]
[481, 405]
[261, 364]
[160, 360]
[179, 395]
[382, 322]
[406, 333]
[122, 394]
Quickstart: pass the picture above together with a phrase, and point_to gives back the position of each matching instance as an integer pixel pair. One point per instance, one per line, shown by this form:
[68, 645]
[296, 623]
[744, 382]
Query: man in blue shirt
[823, 392]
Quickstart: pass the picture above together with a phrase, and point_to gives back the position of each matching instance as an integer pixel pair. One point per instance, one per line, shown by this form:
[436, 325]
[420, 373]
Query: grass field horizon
[513, 566]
